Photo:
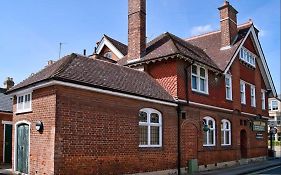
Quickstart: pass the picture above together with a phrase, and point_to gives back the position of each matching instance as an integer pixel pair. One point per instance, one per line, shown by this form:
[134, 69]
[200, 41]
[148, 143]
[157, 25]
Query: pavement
[244, 169]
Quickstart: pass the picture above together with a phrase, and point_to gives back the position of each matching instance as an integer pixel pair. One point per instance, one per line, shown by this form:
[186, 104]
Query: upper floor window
[150, 128]
[248, 56]
[199, 79]
[24, 103]
[225, 132]
[210, 135]
[108, 55]
[263, 99]
[273, 105]
[243, 92]
[253, 96]
[228, 87]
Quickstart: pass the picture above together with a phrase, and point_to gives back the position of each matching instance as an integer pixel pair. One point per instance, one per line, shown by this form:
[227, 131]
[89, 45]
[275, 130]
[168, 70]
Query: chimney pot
[8, 83]
[50, 62]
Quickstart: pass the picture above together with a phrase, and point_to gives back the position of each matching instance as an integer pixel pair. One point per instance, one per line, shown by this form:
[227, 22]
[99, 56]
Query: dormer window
[108, 55]
[248, 57]
[199, 79]
[24, 103]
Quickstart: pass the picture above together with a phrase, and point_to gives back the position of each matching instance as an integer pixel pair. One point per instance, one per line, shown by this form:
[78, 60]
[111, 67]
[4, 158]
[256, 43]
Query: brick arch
[189, 141]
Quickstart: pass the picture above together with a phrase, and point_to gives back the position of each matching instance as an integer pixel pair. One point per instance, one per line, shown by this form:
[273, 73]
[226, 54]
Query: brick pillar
[228, 22]
[235, 70]
[136, 29]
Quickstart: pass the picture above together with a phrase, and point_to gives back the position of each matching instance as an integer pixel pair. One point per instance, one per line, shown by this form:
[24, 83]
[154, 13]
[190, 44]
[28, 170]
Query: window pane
[227, 82]
[210, 124]
[228, 93]
[226, 125]
[154, 118]
[202, 85]
[194, 69]
[274, 105]
[154, 135]
[194, 82]
[211, 137]
[143, 131]
[143, 116]
[202, 72]
[227, 137]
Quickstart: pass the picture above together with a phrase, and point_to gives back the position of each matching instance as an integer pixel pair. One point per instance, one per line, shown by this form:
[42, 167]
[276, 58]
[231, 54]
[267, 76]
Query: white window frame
[24, 108]
[149, 124]
[228, 76]
[253, 96]
[198, 77]
[210, 129]
[243, 90]
[224, 130]
[271, 106]
[263, 99]
[248, 57]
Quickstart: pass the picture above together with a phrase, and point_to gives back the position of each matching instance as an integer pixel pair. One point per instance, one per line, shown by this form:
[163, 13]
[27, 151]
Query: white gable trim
[106, 42]
[263, 61]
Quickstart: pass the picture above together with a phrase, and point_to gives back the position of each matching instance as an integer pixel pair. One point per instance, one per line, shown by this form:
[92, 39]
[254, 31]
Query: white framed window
[248, 57]
[228, 87]
[273, 106]
[199, 79]
[263, 99]
[243, 92]
[253, 96]
[210, 135]
[225, 132]
[150, 128]
[24, 102]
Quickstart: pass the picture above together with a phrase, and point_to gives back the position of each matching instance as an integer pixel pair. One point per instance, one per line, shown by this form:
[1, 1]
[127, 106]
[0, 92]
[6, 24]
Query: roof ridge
[64, 65]
[108, 37]
[216, 31]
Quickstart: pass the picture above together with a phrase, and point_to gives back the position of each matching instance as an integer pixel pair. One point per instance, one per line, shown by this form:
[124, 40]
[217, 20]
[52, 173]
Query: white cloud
[201, 29]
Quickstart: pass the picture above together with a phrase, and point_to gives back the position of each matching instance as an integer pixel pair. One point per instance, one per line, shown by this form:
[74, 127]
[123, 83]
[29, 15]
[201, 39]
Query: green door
[22, 148]
[8, 143]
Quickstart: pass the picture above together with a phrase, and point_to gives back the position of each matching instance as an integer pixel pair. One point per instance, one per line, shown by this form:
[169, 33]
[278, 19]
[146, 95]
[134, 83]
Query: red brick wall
[41, 145]
[3, 117]
[218, 153]
[96, 135]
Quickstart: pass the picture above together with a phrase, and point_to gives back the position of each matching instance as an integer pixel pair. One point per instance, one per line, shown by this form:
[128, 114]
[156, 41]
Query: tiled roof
[6, 104]
[205, 48]
[211, 44]
[168, 44]
[120, 46]
[100, 74]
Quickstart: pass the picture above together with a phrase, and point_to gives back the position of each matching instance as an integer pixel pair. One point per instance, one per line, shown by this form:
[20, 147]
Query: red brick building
[147, 106]
[6, 116]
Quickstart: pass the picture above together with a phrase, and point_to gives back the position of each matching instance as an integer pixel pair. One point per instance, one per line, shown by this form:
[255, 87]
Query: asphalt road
[272, 171]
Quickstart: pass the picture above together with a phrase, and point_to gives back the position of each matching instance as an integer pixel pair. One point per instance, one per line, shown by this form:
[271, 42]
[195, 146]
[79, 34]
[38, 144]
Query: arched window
[225, 132]
[210, 135]
[150, 128]
[108, 55]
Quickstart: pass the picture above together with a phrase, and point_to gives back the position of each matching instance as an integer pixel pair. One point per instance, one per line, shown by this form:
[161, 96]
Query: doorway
[7, 145]
[243, 144]
[22, 148]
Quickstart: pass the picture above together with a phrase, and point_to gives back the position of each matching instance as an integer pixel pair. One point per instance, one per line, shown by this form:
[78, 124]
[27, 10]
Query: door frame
[16, 143]
[4, 136]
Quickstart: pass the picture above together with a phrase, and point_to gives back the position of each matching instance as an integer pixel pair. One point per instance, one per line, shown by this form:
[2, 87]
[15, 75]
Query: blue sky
[31, 30]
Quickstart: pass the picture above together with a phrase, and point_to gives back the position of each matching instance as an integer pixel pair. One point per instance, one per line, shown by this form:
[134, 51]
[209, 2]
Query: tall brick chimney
[228, 22]
[136, 29]
[8, 83]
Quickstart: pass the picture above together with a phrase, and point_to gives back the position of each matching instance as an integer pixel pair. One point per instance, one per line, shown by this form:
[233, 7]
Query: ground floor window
[150, 128]
[210, 135]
